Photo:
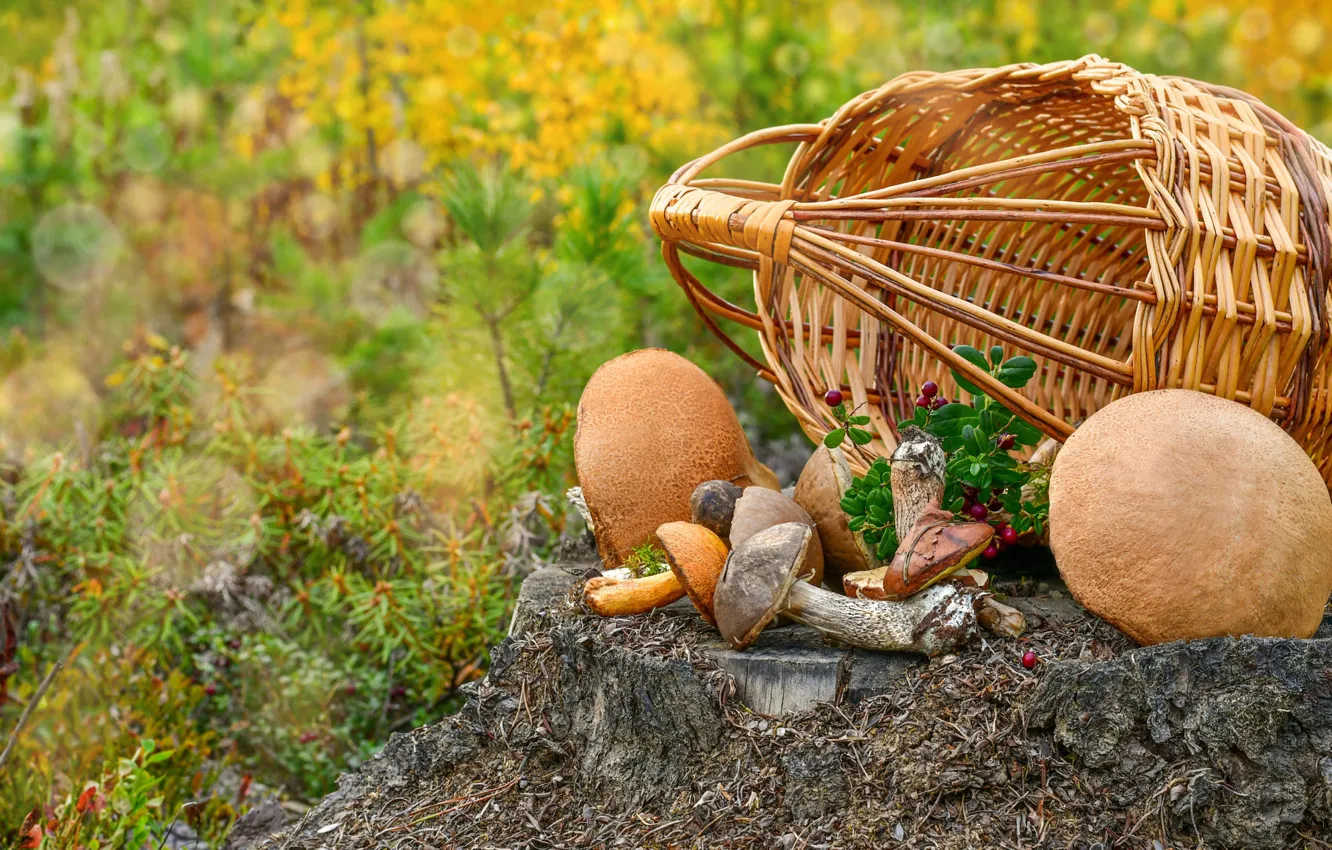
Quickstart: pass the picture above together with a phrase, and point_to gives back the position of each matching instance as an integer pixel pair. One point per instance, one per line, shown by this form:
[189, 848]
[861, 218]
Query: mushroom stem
[939, 619]
[917, 478]
[614, 597]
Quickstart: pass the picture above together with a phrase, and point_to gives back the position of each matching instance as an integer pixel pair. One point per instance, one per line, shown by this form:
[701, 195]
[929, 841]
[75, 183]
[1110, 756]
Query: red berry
[939, 402]
[922, 402]
[1007, 441]
[929, 389]
[210, 689]
[832, 398]
[1009, 535]
[1029, 659]
[350, 689]
[978, 511]
[994, 503]
[991, 551]
[307, 737]
[969, 492]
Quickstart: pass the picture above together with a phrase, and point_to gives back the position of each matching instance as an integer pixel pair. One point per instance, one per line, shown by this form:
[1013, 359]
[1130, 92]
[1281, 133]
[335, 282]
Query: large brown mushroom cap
[757, 578]
[651, 427]
[940, 544]
[1179, 515]
[823, 482]
[759, 508]
[696, 556]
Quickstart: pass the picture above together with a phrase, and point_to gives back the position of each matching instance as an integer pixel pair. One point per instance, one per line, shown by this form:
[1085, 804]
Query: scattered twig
[32, 703]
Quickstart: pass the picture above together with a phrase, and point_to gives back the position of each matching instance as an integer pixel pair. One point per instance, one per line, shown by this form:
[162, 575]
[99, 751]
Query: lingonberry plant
[848, 424]
[983, 480]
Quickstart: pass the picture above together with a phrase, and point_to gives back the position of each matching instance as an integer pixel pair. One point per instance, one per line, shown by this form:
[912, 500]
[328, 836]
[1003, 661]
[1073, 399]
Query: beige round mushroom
[1179, 515]
[823, 482]
[651, 427]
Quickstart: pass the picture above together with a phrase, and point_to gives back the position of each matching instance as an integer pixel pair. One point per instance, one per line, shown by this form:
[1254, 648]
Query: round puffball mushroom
[758, 509]
[823, 482]
[651, 427]
[696, 556]
[712, 506]
[1179, 515]
[761, 580]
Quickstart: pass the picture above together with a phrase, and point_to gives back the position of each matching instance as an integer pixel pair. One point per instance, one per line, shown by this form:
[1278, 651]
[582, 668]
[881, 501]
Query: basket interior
[942, 131]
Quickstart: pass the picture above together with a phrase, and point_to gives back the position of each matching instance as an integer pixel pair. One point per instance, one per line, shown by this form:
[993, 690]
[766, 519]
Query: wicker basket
[1127, 231]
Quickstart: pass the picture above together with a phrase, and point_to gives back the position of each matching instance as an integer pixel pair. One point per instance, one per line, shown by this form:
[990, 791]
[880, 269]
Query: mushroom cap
[939, 545]
[713, 504]
[651, 426]
[757, 579]
[696, 556]
[1179, 515]
[823, 482]
[759, 508]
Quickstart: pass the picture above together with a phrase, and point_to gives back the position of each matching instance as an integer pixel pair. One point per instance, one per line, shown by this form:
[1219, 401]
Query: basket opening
[1017, 256]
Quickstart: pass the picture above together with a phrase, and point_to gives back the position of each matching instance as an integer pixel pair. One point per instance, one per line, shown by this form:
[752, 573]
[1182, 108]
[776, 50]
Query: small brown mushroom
[612, 596]
[759, 509]
[696, 556]
[761, 580]
[938, 545]
[823, 482]
[713, 505]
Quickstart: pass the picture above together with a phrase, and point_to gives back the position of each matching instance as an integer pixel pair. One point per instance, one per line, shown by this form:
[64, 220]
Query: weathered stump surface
[639, 732]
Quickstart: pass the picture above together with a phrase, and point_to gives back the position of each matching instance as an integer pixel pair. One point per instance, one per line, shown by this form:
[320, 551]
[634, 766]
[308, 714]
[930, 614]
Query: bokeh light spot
[423, 224]
[394, 278]
[75, 246]
[147, 148]
[317, 216]
[404, 162]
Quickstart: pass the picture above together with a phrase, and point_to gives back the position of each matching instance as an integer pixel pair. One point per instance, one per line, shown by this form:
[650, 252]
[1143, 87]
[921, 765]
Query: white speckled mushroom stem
[917, 472]
[936, 620]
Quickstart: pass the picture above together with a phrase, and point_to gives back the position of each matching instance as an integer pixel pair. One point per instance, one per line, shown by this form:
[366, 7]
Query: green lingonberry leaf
[1016, 372]
[834, 438]
[974, 357]
[859, 437]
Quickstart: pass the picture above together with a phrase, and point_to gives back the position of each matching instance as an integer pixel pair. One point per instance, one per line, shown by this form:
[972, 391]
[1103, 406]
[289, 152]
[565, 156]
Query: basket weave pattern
[1128, 231]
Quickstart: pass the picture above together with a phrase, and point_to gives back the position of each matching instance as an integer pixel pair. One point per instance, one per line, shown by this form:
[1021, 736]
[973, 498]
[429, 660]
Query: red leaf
[31, 832]
[91, 800]
[244, 788]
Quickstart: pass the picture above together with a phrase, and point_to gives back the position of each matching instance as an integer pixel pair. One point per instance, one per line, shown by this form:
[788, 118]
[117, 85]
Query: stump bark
[647, 731]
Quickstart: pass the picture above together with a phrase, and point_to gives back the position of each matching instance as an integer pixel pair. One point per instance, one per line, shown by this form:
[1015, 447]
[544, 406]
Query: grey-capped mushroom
[759, 509]
[762, 579]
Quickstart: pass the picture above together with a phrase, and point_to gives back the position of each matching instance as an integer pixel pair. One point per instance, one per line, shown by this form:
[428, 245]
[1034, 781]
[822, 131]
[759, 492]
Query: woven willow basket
[1127, 231]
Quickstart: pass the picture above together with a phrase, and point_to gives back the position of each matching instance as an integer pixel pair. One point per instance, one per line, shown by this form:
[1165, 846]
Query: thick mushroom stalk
[934, 621]
[611, 596]
[761, 581]
[917, 478]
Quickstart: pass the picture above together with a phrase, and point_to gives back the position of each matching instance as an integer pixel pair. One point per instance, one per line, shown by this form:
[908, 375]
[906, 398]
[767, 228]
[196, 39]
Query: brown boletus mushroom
[696, 556]
[759, 508]
[1179, 515]
[938, 545]
[761, 580]
[823, 482]
[712, 506]
[651, 427]
[616, 596]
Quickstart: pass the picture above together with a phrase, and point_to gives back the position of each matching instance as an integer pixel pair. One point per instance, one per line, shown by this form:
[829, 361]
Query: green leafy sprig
[978, 439]
[848, 427]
